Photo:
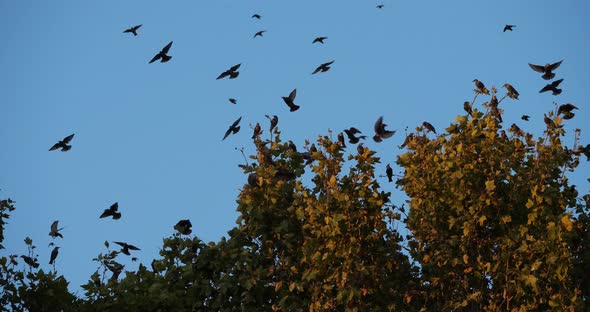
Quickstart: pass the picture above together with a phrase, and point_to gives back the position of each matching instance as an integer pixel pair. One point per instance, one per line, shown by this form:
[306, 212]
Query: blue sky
[149, 136]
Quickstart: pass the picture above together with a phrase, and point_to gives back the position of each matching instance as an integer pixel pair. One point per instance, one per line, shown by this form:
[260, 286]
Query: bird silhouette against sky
[380, 131]
[53, 256]
[234, 128]
[126, 247]
[351, 132]
[163, 54]
[232, 73]
[552, 87]
[508, 27]
[132, 30]
[112, 211]
[319, 40]
[512, 93]
[323, 68]
[547, 70]
[184, 227]
[290, 100]
[54, 230]
[259, 33]
[63, 144]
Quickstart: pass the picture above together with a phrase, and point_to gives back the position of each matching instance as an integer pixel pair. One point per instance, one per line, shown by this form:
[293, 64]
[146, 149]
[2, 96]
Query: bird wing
[122, 244]
[378, 124]
[546, 88]
[537, 68]
[223, 75]
[105, 213]
[55, 146]
[67, 139]
[317, 70]
[235, 124]
[167, 48]
[115, 206]
[235, 67]
[157, 57]
[54, 226]
[556, 83]
[292, 95]
[137, 27]
[227, 133]
[555, 65]
[128, 30]
[132, 247]
[328, 63]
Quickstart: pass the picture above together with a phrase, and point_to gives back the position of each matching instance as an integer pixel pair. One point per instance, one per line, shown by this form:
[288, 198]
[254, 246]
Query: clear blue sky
[149, 136]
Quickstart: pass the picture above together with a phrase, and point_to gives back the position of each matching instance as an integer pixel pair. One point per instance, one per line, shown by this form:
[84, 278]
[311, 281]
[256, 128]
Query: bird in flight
[508, 27]
[112, 211]
[323, 68]
[566, 109]
[552, 87]
[429, 126]
[132, 30]
[319, 39]
[289, 100]
[232, 72]
[380, 132]
[547, 70]
[380, 6]
[512, 93]
[163, 54]
[234, 128]
[55, 231]
[256, 16]
[389, 173]
[126, 247]
[233, 101]
[53, 256]
[481, 88]
[63, 144]
[273, 121]
[350, 133]
[184, 227]
[259, 33]
[525, 117]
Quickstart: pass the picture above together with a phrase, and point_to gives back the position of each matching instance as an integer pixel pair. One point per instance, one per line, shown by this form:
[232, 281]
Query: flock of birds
[353, 134]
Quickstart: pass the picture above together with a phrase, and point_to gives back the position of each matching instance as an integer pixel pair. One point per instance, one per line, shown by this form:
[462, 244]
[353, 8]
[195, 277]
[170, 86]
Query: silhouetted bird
[184, 227]
[257, 131]
[132, 30]
[323, 68]
[319, 39]
[566, 110]
[233, 101]
[54, 230]
[234, 128]
[112, 211]
[350, 133]
[273, 121]
[546, 70]
[467, 107]
[292, 146]
[54, 253]
[256, 16]
[494, 101]
[114, 267]
[380, 132]
[360, 149]
[512, 93]
[389, 173]
[163, 54]
[516, 130]
[508, 27]
[290, 100]
[341, 139]
[409, 138]
[548, 121]
[253, 179]
[126, 247]
[525, 117]
[429, 126]
[380, 6]
[232, 72]
[30, 261]
[259, 33]
[63, 144]
[552, 87]
[481, 88]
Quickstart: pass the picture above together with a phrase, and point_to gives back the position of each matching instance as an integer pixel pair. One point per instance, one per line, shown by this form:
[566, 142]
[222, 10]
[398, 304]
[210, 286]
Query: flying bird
[126, 247]
[234, 128]
[429, 126]
[566, 109]
[132, 30]
[233, 101]
[350, 133]
[30, 261]
[512, 93]
[525, 117]
[259, 33]
[319, 39]
[256, 16]
[163, 54]
[552, 87]
[184, 227]
[323, 68]
[380, 6]
[112, 211]
[54, 230]
[273, 121]
[508, 27]
[380, 132]
[547, 70]
[63, 144]
[54, 253]
[290, 100]
[481, 88]
[389, 173]
[232, 72]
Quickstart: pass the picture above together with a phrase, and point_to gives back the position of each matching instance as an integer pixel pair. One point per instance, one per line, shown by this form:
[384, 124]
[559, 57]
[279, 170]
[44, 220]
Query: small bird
[63, 144]
[273, 121]
[552, 87]
[290, 100]
[54, 253]
[481, 88]
[319, 39]
[292, 146]
[525, 117]
[256, 16]
[233, 101]
[112, 211]
[409, 138]
[429, 126]
[566, 108]
[546, 70]
[341, 139]
[508, 27]
[253, 179]
[163, 54]
[323, 68]
[516, 130]
[259, 33]
[512, 93]
[132, 30]
[184, 227]
[257, 131]
[380, 132]
[389, 173]
[30, 261]
[494, 101]
[126, 247]
[467, 107]
[350, 133]
[380, 6]
[232, 72]
[114, 267]
[55, 231]
[548, 121]
[234, 128]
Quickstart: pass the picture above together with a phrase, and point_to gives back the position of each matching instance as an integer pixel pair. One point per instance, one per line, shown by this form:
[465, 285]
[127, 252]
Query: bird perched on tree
[54, 230]
[112, 211]
[30, 261]
[256, 16]
[389, 173]
[63, 144]
[380, 132]
[548, 121]
[429, 126]
[319, 39]
[552, 87]
[163, 54]
[233, 101]
[126, 247]
[273, 121]
[481, 88]
[289, 100]
[184, 227]
[114, 267]
[234, 128]
[257, 131]
[53, 256]
[512, 93]
[546, 70]
[132, 30]
[323, 68]
[360, 149]
[494, 101]
[525, 117]
[232, 72]
[253, 179]
[508, 27]
[341, 139]
[467, 107]
[259, 33]
[350, 133]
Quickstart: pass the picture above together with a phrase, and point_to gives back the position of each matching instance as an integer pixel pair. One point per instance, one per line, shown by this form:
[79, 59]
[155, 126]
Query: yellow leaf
[567, 222]
[465, 258]
[490, 186]
[469, 269]
[529, 204]
[332, 181]
[506, 219]
[482, 219]
[426, 258]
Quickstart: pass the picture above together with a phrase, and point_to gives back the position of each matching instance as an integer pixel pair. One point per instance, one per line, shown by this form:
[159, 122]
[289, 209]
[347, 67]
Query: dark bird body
[547, 70]
[290, 100]
[30, 261]
[380, 131]
[508, 27]
[184, 227]
[380, 6]
[389, 173]
[525, 117]
[512, 93]
[319, 39]
[323, 68]
[163, 54]
[259, 33]
[112, 211]
[350, 133]
[552, 87]
[63, 144]
[273, 121]
[481, 88]
[257, 131]
[53, 256]
[132, 30]
[256, 16]
[232, 72]
[429, 126]
[233, 101]
[54, 230]
[234, 128]
[126, 247]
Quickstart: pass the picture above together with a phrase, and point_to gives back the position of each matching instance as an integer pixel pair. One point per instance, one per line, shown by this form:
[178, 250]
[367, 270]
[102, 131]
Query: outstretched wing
[67, 139]
[167, 48]
[235, 67]
[556, 83]
[157, 57]
[235, 124]
[555, 65]
[537, 68]
[292, 95]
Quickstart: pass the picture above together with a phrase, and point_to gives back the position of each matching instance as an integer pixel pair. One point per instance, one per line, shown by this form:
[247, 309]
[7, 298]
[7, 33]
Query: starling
[508, 27]
[253, 179]
[380, 132]
[30, 261]
[132, 30]
[546, 70]
[467, 107]
[429, 126]
[259, 33]
[548, 121]
[350, 133]
[114, 267]
[407, 140]
[512, 93]
[360, 149]
[55, 231]
[380, 6]
[257, 131]
[126, 247]
[63, 144]
[566, 109]
[232, 72]
[516, 130]
[494, 101]
[256, 16]
[289, 100]
[552, 87]
[273, 121]
[341, 139]
[319, 39]
[233, 101]
[292, 146]
[389, 173]
[184, 227]
[162, 55]
[112, 211]
[234, 128]
[54, 253]
[525, 117]
[481, 88]
[323, 68]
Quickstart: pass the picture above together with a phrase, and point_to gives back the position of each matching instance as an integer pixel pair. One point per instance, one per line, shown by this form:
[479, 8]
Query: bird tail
[548, 76]
[165, 58]
[294, 107]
